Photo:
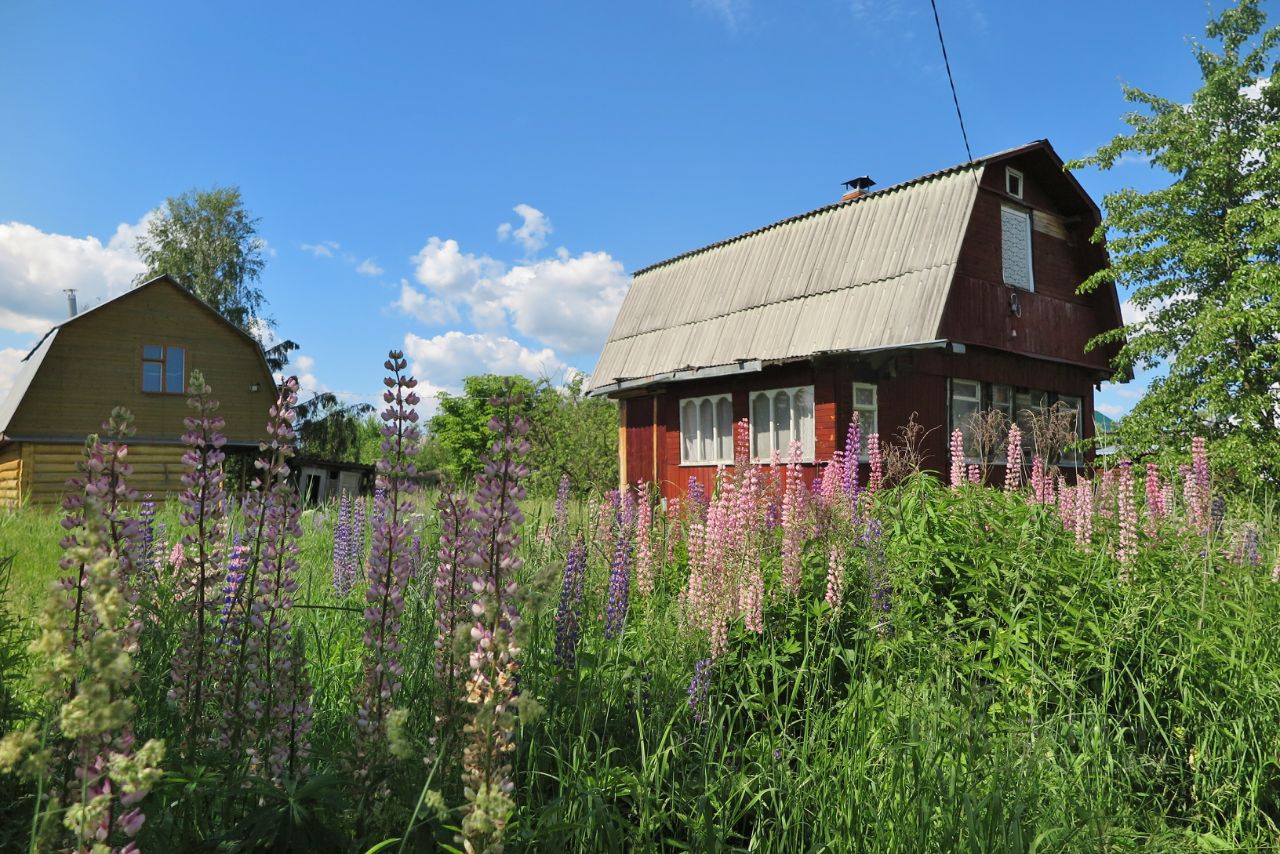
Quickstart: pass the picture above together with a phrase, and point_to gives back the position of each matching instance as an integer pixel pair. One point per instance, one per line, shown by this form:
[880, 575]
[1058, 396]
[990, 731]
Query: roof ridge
[977, 162]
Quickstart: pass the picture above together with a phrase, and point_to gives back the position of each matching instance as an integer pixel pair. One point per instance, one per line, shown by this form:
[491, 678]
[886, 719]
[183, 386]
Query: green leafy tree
[1201, 255]
[575, 435]
[332, 430]
[208, 243]
[460, 426]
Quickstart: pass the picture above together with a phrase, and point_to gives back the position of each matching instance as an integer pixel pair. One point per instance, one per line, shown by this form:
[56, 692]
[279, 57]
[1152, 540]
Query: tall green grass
[1020, 698]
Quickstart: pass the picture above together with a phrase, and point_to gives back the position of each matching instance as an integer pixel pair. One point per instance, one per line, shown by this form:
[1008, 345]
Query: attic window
[1015, 247]
[163, 369]
[1013, 182]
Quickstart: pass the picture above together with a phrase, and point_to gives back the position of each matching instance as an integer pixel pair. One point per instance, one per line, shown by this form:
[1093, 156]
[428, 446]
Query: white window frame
[952, 397]
[802, 423]
[1025, 214]
[718, 438]
[1009, 175]
[868, 417]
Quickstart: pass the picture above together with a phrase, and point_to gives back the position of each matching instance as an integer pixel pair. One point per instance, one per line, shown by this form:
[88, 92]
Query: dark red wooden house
[939, 296]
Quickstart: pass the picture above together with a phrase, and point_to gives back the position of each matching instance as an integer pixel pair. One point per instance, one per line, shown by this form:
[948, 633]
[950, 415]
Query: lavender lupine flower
[1204, 488]
[700, 691]
[389, 559]
[876, 479]
[957, 458]
[1013, 460]
[205, 503]
[1244, 546]
[853, 453]
[497, 631]
[569, 614]
[619, 579]
[561, 518]
[87, 632]
[146, 557]
[878, 574]
[453, 595]
[359, 511]
[233, 593]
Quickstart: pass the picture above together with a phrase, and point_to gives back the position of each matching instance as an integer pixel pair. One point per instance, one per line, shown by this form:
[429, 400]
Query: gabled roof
[31, 362]
[870, 273]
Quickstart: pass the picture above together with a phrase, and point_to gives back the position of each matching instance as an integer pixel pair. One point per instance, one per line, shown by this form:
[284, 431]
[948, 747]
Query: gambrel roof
[873, 272]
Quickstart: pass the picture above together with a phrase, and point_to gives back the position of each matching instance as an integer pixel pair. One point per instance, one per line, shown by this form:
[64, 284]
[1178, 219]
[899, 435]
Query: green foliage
[208, 243]
[570, 433]
[332, 430]
[1202, 256]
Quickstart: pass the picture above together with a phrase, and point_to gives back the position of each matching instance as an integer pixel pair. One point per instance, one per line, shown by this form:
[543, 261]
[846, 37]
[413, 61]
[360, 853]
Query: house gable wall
[95, 364]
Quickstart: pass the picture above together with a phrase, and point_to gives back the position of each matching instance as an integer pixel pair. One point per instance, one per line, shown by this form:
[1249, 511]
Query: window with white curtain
[706, 430]
[866, 403]
[778, 417]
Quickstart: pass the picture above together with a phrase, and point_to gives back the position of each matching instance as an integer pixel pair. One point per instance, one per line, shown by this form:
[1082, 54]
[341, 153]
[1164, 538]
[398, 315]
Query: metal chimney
[857, 187]
[71, 301]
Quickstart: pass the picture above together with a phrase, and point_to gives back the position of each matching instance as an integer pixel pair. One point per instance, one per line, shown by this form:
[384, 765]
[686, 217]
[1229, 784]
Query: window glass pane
[706, 431]
[724, 429]
[152, 376]
[152, 351]
[802, 418]
[173, 370]
[688, 431]
[782, 423]
[966, 389]
[1015, 245]
[761, 427]
[864, 395]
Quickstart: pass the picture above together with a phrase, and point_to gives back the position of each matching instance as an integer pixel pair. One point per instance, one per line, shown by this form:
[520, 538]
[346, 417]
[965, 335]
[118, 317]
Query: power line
[947, 62]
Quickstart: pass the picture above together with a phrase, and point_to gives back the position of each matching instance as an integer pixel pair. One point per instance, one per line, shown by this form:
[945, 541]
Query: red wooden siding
[1054, 321]
[639, 442]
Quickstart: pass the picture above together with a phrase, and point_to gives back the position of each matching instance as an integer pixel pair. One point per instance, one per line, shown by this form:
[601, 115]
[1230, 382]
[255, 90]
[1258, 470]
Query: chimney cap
[860, 184]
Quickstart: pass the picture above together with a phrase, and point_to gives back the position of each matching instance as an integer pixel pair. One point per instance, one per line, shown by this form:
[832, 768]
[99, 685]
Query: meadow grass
[1015, 696]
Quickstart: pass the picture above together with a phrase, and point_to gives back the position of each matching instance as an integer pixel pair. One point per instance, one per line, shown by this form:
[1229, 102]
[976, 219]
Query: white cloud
[35, 266]
[1254, 90]
[567, 302]
[10, 364]
[430, 310]
[442, 361]
[533, 230]
[323, 249]
[369, 267]
[1131, 314]
[444, 268]
[730, 12]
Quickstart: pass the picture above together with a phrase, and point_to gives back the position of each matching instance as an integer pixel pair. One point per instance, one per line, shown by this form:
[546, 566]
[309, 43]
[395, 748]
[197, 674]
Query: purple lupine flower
[359, 510]
[878, 574]
[344, 562]
[700, 691]
[569, 615]
[697, 496]
[389, 561]
[205, 505]
[233, 593]
[146, 557]
[619, 579]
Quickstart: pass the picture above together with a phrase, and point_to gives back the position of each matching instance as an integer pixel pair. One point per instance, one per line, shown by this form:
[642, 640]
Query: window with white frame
[866, 403]
[1013, 182]
[706, 430]
[779, 417]
[966, 402]
[1015, 247]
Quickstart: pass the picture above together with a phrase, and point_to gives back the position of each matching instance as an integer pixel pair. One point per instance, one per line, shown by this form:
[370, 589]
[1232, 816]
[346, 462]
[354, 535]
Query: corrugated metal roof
[868, 273]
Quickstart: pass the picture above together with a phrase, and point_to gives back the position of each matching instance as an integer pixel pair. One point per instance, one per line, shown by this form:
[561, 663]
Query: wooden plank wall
[157, 469]
[10, 476]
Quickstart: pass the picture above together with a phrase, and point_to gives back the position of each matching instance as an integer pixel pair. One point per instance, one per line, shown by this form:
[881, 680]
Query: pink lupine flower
[1203, 489]
[1084, 512]
[1128, 516]
[975, 473]
[1154, 507]
[1191, 497]
[645, 570]
[832, 481]
[1037, 479]
[957, 458]
[178, 556]
[876, 478]
[793, 533]
[1013, 460]
[835, 578]
[1066, 504]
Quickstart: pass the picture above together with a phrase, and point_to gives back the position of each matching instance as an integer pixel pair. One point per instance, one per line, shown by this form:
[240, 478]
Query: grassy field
[982, 682]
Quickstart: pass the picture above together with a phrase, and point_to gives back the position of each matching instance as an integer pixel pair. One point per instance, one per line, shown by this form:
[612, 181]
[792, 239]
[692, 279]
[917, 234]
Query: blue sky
[475, 182]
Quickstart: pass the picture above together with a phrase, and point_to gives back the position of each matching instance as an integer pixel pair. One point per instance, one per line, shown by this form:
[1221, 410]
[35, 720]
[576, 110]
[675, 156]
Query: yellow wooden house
[136, 350]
